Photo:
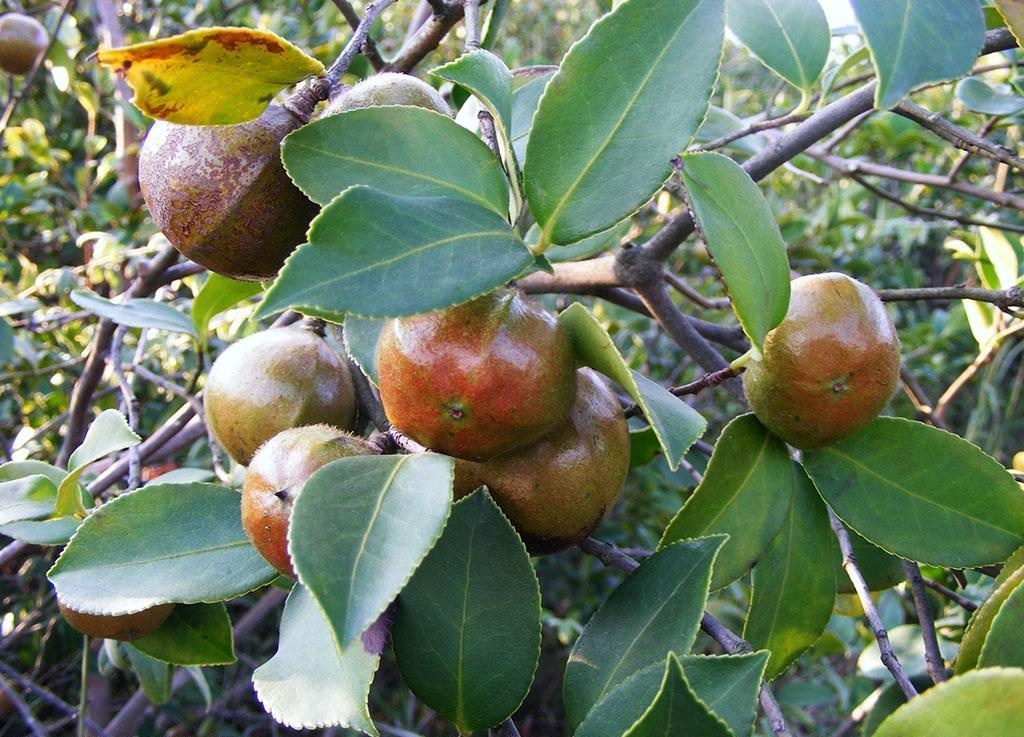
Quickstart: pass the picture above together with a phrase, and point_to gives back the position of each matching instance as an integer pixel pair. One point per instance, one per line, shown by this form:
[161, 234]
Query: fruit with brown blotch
[558, 489]
[478, 379]
[277, 472]
[22, 41]
[125, 627]
[221, 196]
[274, 380]
[829, 367]
[389, 88]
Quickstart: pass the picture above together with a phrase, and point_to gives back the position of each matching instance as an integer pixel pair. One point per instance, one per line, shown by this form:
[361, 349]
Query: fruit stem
[739, 364]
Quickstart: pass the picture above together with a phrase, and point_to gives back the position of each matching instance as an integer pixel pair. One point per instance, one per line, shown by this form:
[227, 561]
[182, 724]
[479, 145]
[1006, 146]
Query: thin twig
[130, 403]
[1001, 298]
[965, 156]
[889, 659]
[370, 50]
[932, 655]
[750, 129]
[22, 708]
[968, 373]
[694, 296]
[950, 594]
[49, 697]
[427, 38]
[929, 212]
[957, 135]
[471, 10]
[358, 40]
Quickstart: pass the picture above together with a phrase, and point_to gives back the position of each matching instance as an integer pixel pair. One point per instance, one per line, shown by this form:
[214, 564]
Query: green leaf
[401, 150]
[888, 699]
[194, 634]
[135, 313]
[677, 709]
[973, 641]
[154, 675]
[1003, 643]
[720, 123]
[381, 255]
[727, 684]
[793, 592]
[487, 77]
[525, 100]
[997, 264]
[28, 492]
[592, 246]
[741, 233]
[676, 423]
[981, 97]
[6, 341]
[744, 494]
[360, 527]
[179, 543]
[921, 493]
[593, 158]
[655, 611]
[908, 646]
[467, 627]
[309, 682]
[361, 337]
[218, 294]
[791, 37]
[912, 42]
[107, 434]
[983, 703]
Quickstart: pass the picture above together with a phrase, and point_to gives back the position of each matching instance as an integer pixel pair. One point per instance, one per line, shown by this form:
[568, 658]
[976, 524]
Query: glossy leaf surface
[594, 159]
[467, 627]
[921, 493]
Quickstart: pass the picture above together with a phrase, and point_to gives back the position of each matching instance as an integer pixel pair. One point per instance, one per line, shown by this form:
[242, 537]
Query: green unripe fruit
[277, 472]
[22, 41]
[829, 367]
[275, 380]
[389, 88]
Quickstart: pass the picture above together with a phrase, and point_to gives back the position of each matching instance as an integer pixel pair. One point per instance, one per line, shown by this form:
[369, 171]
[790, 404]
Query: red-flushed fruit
[221, 196]
[274, 380]
[556, 490]
[829, 367]
[277, 472]
[126, 627]
[478, 379]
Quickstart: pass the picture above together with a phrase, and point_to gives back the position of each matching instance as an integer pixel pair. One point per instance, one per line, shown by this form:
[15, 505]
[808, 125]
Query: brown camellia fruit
[125, 627]
[22, 41]
[274, 380]
[556, 490]
[277, 472]
[829, 367]
[478, 379]
[389, 88]
[221, 195]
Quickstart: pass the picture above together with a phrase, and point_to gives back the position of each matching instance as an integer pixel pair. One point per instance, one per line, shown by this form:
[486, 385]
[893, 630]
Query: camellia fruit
[478, 379]
[274, 380]
[126, 627]
[829, 367]
[278, 470]
[389, 88]
[22, 41]
[221, 196]
[558, 489]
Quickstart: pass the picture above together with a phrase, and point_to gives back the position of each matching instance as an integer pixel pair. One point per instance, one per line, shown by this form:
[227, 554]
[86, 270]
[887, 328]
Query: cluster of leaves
[412, 198]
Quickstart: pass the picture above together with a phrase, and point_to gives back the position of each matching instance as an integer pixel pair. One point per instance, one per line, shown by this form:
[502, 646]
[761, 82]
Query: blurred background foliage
[67, 221]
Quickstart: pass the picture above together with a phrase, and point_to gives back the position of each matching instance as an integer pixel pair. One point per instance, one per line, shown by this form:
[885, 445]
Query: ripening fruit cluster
[492, 383]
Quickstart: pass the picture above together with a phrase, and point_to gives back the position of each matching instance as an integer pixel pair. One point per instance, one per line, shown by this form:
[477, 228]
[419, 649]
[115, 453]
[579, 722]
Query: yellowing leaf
[1013, 13]
[211, 76]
